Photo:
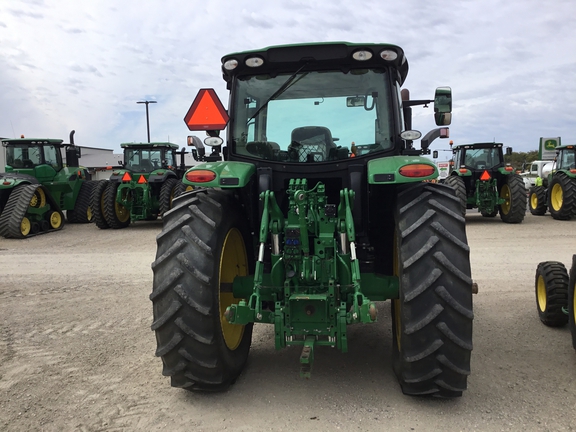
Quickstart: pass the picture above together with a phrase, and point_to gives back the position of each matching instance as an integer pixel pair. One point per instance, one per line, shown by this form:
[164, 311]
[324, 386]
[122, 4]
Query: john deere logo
[549, 144]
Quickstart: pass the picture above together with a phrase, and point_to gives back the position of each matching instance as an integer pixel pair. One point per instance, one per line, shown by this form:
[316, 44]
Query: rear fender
[228, 174]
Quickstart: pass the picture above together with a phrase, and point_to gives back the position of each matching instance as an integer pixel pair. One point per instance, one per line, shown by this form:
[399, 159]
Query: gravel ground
[77, 352]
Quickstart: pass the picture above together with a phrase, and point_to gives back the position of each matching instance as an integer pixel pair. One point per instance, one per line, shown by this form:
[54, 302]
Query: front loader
[320, 209]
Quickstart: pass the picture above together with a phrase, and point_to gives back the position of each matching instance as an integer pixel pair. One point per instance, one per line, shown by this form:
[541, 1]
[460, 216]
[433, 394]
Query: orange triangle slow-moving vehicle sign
[485, 176]
[206, 112]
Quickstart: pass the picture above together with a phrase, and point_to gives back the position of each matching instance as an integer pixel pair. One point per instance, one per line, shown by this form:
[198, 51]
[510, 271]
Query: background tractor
[319, 210]
[482, 180]
[556, 295]
[557, 189]
[37, 187]
[142, 189]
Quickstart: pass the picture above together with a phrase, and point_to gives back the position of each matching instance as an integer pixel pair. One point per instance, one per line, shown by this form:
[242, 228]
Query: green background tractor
[142, 189]
[556, 295]
[557, 192]
[319, 210]
[482, 180]
[37, 187]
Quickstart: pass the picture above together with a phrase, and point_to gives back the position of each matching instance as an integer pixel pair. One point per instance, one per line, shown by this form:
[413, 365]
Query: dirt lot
[77, 352]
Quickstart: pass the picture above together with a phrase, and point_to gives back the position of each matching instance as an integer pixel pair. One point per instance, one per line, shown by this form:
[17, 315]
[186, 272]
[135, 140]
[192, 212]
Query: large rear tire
[562, 197]
[97, 204]
[572, 301]
[537, 201]
[168, 192]
[551, 286]
[513, 191]
[457, 183]
[202, 246]
[116, 214]
[82, 213]
[432, 319]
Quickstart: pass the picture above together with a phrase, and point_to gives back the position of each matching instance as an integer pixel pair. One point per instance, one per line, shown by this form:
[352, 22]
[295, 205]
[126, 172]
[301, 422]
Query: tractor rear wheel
[201, 249]
[513, 209]
[562, 197]
[551, 285]
[167, 193]
[537, 200]
[432, 319]
[115, 213]
[97, 204]
[572, 301]
[457, 183]
[82, 212]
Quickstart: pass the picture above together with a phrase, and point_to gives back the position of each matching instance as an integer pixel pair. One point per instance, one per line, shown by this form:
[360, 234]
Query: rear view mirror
[355, 101]
[443, 106]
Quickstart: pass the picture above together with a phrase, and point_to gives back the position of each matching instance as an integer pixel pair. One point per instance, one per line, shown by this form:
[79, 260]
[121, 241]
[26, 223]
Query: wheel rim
[556, 197]
[89, 214]
[38, 200]
[121, 212]
[574, 303]
[55, 220]
[233, 262]
[534, 201]
[506, 195]
[541, 294]
[25, 226]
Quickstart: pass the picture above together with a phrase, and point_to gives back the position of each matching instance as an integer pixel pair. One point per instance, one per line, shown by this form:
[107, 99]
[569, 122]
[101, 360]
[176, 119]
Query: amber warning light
[206, 112]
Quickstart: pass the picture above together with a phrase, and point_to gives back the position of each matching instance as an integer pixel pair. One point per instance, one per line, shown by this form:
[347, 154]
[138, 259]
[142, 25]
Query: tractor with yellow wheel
[320, 208]
[37, 187]
[482, 180]
[556, 295]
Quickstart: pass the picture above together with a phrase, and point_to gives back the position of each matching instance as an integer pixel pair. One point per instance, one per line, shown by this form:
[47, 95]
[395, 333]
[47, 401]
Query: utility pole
[147, 118]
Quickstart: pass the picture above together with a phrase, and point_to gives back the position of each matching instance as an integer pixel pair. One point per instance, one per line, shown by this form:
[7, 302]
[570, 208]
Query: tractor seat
[311, 144]
[480, 164]
[146, 165]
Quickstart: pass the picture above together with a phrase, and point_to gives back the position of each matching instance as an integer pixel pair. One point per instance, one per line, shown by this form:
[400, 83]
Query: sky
[84, 65]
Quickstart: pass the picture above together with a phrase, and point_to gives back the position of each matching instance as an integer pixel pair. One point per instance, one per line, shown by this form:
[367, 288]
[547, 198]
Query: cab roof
[319, 56]
[31, 141]
[477, 145]
[149, 145]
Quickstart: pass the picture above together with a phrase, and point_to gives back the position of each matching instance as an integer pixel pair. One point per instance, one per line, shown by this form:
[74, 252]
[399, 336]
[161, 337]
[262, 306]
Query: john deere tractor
[142, 189]
[557, 192]
[319, 210]
[37, 187]
[484, 181]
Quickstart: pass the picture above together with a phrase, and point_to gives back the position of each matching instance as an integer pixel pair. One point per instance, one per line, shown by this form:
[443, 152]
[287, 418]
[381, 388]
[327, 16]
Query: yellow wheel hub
[541, 294]
[121, 212]
[557, 197]
[506, 194]
[89, 214]
[55, 220]
[534, 201]
[25, 226]
[38, 200]
[233, 262]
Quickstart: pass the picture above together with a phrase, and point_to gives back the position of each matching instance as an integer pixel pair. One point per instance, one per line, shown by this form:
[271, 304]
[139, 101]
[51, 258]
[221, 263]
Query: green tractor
[142, 189]
[484, 181]
[37, 187]
[557, 192]
[556, 295]
[320, 209]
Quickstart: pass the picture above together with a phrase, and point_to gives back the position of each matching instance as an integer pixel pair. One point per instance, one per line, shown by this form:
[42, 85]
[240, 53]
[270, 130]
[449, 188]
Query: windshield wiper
[289, 83]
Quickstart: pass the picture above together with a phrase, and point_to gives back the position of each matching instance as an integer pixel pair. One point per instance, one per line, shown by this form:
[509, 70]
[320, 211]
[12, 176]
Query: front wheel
[201, 249]
[551, 285]
[537, 201]
[432, 319]
[513, 209]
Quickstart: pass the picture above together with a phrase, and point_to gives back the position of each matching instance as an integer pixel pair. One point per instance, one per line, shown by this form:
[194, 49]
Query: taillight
[416, 170]
[509, 168]
[200, 176]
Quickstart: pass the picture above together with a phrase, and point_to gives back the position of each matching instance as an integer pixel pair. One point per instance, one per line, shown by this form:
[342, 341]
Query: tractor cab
[40, 158]
[149, 157]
